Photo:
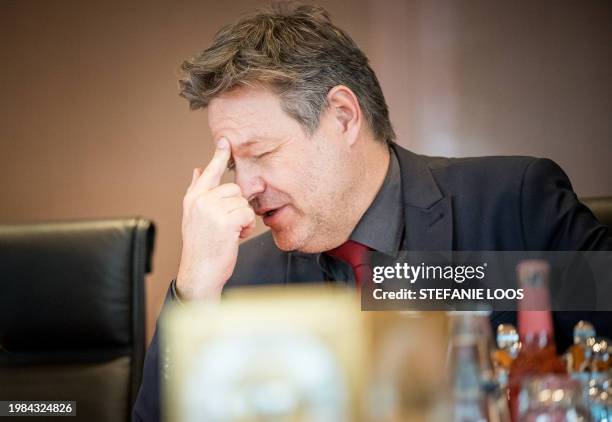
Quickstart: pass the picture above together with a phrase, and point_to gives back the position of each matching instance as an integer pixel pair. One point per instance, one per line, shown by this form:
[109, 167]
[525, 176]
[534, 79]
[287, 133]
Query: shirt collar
[382, 225]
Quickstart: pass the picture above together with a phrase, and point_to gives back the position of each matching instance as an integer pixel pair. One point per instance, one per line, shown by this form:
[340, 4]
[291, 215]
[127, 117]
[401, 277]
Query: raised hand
[215, 217]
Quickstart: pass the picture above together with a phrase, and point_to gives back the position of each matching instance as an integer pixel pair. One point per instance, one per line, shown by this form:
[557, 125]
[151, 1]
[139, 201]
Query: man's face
[298, 184]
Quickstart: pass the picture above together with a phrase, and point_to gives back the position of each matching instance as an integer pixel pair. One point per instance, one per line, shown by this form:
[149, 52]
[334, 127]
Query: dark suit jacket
[469, 204]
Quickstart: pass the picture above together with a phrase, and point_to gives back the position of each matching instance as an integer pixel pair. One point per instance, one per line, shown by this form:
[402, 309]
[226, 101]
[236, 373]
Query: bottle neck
[535, 328]
[537, 340]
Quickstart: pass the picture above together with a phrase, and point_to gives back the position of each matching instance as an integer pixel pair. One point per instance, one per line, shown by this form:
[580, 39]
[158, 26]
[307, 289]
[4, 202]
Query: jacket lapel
[428, 214]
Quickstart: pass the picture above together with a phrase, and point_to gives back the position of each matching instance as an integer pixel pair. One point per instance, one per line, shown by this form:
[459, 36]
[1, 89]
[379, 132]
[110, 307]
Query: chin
[291, 240]
[284, 241]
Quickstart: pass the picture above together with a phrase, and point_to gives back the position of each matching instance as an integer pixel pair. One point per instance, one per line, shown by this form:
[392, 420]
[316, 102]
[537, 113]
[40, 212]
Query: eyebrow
[259, 143]
[245, 145]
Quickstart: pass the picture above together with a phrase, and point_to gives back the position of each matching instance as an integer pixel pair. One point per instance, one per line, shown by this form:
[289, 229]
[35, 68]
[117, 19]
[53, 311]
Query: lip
[273, 219]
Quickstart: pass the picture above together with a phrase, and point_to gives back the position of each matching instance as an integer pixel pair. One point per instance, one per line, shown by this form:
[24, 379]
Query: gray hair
[298, 53]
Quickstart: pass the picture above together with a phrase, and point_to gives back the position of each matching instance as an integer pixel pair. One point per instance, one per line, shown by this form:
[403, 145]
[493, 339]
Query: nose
[250, 181]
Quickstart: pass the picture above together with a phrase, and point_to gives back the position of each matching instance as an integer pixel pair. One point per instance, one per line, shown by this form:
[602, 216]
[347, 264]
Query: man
[298, 114]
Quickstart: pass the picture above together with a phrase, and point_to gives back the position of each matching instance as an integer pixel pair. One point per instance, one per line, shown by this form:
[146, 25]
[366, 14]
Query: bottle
[508, 346]
[600, 358]
[475, 393]
[553, 398]
[538, 355]
[579, 353]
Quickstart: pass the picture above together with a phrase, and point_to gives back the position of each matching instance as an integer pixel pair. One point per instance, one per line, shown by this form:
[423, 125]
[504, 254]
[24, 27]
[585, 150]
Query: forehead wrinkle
[242, 134]
[229, 119]
[245, 116]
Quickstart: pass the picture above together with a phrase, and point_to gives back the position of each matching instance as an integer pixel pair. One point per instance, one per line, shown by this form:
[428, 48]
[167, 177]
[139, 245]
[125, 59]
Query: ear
[345, 112]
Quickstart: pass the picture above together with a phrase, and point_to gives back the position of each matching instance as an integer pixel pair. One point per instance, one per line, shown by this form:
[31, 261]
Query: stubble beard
[319, 232]
[329, 222]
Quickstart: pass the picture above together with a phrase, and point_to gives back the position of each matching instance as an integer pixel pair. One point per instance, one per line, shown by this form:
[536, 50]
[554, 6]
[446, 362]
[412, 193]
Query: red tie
[356, 255]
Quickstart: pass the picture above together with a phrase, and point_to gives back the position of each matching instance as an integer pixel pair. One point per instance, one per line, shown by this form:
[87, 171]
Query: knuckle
[233, 187]
[249, 215]
[219, 220]
[201, 202]
[228, 223]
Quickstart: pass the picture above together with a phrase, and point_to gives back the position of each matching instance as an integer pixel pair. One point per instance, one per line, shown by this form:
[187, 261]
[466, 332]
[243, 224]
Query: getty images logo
[414, 273]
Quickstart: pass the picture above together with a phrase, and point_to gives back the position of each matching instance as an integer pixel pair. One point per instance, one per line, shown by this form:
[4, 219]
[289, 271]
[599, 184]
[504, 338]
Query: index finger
[211, 176]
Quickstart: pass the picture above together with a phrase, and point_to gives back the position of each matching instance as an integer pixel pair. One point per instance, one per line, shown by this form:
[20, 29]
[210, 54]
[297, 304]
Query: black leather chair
[601, 206]
[72, 313]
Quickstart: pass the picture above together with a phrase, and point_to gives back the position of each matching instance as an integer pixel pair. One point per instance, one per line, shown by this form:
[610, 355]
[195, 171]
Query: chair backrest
[72, 313]
[601, 206]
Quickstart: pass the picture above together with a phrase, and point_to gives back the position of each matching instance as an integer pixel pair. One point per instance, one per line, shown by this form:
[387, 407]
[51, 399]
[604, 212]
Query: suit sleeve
[147, 405]
[553, 219]
[552, 216]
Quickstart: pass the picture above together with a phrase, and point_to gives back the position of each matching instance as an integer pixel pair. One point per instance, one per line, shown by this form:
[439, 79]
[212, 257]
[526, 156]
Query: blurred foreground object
[300, 354]
[508, 346]
[580, 353]
[476, 395]
[554, 398]
[588, 361]
[598, 387]
[537, 355]
[72, 313]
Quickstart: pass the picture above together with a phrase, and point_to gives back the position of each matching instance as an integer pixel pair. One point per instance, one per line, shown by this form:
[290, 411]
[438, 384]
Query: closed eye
[231, 164]
[269, 152]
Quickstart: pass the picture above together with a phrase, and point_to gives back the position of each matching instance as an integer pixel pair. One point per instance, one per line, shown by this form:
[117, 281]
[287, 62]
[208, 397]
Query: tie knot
[353, 253]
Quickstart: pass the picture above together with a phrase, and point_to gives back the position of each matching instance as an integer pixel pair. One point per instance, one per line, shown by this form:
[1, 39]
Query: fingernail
[223, 144]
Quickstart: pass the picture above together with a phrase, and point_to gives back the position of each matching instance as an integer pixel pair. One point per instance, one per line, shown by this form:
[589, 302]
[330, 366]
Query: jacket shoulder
[499, 174]
[509, 165]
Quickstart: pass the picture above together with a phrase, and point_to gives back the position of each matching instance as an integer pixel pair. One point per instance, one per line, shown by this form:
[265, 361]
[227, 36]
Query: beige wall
[482, 77]
[91, 126]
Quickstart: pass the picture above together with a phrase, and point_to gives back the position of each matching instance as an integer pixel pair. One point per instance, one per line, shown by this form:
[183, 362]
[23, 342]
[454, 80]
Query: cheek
[296, 179]
[303, 171]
